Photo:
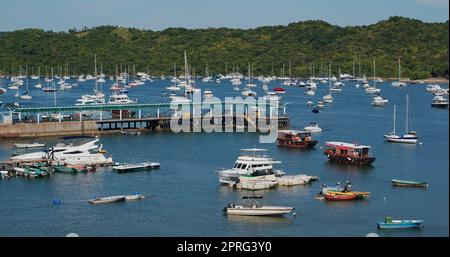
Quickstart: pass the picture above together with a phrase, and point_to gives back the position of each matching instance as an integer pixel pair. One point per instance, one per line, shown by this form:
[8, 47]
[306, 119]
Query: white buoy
[372, 235]
[72, 235]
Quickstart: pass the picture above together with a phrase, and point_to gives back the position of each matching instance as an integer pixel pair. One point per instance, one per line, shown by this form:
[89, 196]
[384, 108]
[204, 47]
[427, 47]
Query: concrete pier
[96, 127]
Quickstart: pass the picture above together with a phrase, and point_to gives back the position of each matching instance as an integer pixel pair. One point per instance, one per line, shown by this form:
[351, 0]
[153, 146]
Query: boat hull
[266, 211]
[351, 161]
[400, 224]
[297, 144]
[404, 183]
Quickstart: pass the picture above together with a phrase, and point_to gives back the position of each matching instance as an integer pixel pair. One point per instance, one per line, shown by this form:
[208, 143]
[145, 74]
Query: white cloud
[435, 3]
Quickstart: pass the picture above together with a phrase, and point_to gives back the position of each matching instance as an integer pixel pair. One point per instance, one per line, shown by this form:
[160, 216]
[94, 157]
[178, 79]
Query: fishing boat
[410, 137]
[295, 139]
[347, 153]
[32, 145]
[109, 199]
[340, 196]
[253, 208]
[129, 167]
[408, 183]
[390, 223]
[313, 127]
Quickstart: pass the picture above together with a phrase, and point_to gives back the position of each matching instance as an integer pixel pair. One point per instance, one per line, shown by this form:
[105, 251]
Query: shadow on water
[260, 220]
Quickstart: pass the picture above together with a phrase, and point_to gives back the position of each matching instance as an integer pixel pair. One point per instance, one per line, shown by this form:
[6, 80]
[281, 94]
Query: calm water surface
[185, 198]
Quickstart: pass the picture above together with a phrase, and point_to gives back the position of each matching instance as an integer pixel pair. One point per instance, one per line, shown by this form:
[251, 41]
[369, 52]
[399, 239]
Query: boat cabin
[297, 139]
[348, 153]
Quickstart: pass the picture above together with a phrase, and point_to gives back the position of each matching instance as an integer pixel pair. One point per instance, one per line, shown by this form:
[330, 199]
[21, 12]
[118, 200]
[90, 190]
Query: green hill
[422, 47]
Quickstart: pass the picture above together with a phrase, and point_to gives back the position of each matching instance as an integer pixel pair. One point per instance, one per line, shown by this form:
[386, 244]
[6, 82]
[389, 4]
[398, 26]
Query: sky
[61, 15]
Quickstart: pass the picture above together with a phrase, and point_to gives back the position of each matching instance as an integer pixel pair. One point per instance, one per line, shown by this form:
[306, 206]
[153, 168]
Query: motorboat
[310, 92]
[248, 160]
[279, 90]
[390, 223]
[254, 208]
[439, 102]
[109, 199]
[68, 154]
[372, 90]
[320, 105]
[433, 88]
[309, 103]
[120, 99]
[313, 127]
[328, 98]
[379, 101]
[129, 167]
[207, 93]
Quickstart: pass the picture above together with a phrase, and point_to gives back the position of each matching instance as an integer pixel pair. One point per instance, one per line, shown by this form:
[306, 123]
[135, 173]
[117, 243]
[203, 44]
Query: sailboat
[410, 137]
[328, 98]
[26, 95]
[399, 83]
[39, 84]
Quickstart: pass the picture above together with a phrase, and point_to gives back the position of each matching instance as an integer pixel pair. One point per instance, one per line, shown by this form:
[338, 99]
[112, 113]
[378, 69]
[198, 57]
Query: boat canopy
[343, 145]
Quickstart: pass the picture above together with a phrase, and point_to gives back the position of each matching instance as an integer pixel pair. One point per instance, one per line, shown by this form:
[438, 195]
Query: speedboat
[109, 199]
[379, 101]
[68, 154]
[136, 166]
[313, 127]
[254, 208]
[372, 90]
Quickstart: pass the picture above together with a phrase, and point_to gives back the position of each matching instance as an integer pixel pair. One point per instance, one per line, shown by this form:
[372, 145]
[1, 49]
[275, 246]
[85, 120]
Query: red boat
[279, 90]
[338, 196]
[295, 139]
[346, 153]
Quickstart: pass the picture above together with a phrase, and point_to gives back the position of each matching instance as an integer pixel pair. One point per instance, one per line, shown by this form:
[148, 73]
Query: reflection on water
[261, 220]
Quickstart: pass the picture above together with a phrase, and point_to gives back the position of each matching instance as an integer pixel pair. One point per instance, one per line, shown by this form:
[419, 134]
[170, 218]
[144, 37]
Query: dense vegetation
[422, 47]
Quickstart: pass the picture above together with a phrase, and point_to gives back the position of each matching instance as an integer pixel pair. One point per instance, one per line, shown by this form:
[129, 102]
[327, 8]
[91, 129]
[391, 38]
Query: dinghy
[407, 183]
[389, 223]
[109, 199]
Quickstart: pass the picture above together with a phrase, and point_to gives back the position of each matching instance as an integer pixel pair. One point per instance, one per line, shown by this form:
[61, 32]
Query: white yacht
[313, 127]
[433, 88]
[69, 154]
[247, 162]
[120, 99]
[372, 90]
[440, 101]
[328, 98]
[379, 101]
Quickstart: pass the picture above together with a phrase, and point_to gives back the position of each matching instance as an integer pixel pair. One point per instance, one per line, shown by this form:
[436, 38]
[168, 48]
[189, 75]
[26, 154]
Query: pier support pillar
[60, 117]
[120, 116]
[157, 113]
[140, 114]
[20, 117]
[101, 116]
[81, 116]
[38, 118]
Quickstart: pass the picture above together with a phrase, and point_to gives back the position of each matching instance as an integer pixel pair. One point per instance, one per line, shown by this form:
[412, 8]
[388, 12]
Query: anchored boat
[407, 183]
[390, 223]
[254, 208]
[136, 166]
[295, 139]
[346, 153]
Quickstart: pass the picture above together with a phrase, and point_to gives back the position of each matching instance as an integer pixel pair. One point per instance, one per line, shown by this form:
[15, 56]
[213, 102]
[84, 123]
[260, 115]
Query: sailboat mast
[407, 112]
[395, 118]
[399, 70]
